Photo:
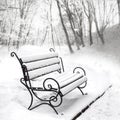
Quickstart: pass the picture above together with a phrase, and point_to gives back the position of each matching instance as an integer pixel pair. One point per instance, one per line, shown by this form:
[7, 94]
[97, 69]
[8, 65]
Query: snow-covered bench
[47, 87]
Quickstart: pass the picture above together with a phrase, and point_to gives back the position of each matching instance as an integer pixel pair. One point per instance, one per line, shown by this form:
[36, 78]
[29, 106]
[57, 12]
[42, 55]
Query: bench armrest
[50, 84]
[79, 70]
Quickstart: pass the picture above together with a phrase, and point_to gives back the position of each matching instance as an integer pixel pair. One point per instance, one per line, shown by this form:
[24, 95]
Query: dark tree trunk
[64, 28]
[90, 32]
[90, 19]
[72, 27]
[75, 36]
[51, 26]
[118, 2]
[81, 32]
[100, 33]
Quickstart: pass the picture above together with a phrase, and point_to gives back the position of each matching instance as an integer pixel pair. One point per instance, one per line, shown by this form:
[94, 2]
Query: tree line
[76, 17]
[99, 12]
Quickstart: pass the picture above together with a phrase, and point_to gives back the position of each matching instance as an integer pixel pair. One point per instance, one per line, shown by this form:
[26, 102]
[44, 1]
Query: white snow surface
[102, 67]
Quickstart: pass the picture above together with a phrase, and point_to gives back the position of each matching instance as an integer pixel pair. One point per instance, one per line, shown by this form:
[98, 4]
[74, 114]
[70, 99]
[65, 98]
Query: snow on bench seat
[38, 82]
[68, 82]
[74, 76]
[73, 85]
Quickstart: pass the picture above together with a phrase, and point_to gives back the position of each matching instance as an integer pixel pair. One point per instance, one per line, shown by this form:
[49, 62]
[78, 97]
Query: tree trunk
[75, 36]
[81, 32]
[118, 2]
[51, 26]
[100, 33]
[72, 27]
[44, 38]
[90, 32]
[64, 28]
[102, 38]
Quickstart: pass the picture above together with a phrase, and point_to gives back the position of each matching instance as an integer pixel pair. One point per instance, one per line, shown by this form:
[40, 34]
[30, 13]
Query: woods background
[56, 22]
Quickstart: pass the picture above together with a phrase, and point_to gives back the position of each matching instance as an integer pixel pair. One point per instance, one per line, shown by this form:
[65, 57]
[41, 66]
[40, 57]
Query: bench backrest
[39, 65]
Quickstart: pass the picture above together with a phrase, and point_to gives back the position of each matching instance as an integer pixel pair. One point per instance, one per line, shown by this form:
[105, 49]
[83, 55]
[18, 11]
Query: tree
[8, 20]
[70, 15]
[78, 19]
[102, 11]
[118, 3]
[88, 12]
[50, 21]
[24, 9]
[64, 27]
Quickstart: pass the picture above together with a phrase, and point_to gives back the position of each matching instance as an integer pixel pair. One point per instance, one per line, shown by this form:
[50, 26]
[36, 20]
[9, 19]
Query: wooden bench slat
[42, 63]
[38, 57]
[45, 70]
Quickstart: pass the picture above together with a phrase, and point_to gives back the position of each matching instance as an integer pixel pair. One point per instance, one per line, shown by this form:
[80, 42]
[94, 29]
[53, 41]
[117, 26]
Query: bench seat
[67, 81]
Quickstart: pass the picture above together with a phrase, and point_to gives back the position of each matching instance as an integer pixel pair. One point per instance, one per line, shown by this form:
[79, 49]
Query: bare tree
[70, 14]
[118, 3]
[12, 19]
[102, 16]
[45, 35]
[25, 7]
[88, 12]
[64, 27]
[78, 19]
[28, 28]
[8, 19]
[50, 19]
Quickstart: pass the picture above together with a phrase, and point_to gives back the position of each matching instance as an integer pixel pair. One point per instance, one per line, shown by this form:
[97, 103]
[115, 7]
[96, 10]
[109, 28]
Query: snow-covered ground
[100, 62]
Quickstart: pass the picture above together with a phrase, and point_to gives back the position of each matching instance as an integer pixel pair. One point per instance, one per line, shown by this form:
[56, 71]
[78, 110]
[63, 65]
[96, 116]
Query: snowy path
[106, 108]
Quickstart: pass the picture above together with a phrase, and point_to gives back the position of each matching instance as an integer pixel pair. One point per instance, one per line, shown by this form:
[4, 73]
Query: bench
[39, 80]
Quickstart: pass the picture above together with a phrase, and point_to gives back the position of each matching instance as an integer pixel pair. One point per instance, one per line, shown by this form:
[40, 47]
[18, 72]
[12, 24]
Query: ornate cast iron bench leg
[80, 88]
[31, 95]
[82, 72]
[56, 99]
[53, 101]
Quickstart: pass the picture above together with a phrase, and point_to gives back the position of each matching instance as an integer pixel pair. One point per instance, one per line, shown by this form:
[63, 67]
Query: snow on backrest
[38, 66]
[38, 57]
[42, 63]
[43, 71]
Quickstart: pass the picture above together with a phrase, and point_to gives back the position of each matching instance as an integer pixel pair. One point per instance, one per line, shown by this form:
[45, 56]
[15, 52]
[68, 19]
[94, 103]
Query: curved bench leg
[31, 95]
[81, 91]
[54, 109]
[80, 88]
[31, 102]
[44, 104]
